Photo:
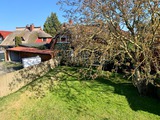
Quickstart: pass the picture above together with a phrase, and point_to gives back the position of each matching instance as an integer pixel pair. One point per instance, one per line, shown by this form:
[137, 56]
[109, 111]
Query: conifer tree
[52, 24]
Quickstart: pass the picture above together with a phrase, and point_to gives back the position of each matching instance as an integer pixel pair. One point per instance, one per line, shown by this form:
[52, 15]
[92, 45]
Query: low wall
[12, 82]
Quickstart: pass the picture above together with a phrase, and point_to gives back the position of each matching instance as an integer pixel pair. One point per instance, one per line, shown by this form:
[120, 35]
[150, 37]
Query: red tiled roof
[30, 50]
[4, 33]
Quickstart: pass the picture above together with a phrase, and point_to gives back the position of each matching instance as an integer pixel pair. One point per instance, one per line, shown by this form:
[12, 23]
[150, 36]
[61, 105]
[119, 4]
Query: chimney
[70, 21]
[31, 27]
[27, 26]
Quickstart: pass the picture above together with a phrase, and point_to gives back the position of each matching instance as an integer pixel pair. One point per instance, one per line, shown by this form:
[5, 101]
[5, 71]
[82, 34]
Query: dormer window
[44, 39]
[22, 39]
[63, 39]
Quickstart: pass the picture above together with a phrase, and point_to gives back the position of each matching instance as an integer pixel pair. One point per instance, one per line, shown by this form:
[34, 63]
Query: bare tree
[126, 28]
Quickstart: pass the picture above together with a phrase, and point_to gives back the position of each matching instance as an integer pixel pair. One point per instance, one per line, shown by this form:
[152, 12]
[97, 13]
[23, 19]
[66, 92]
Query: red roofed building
[17, 53]
[3, 35]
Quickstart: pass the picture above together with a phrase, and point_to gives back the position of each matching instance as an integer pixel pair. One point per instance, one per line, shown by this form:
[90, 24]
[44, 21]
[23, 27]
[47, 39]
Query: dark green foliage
[52, 24]
[60, 46]
[42, 47]
[18, 41]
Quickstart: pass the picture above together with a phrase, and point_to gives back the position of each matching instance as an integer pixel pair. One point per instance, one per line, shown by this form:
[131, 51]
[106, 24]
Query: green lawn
[59, 95]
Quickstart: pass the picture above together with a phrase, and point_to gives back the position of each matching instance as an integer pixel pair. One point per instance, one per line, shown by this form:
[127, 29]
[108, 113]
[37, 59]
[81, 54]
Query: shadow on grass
[123, 87]
[126, 88]
[135, 101]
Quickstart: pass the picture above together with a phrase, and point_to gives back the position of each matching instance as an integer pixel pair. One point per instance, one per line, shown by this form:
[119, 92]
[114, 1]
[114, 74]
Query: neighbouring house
[64, 38]
[61, 41]
[73, 37]
[29, 34]
[3, 35]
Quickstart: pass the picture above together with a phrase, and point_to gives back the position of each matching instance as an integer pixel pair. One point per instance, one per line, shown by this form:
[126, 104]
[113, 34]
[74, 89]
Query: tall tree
[133, 26]
[52, 25]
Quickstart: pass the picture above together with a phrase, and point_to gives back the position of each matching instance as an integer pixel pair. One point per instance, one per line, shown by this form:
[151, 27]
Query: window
[44, 39]
[1, 39]
[63, 39]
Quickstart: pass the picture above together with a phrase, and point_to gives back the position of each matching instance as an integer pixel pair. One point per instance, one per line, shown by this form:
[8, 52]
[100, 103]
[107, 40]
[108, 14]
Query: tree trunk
[140, 83]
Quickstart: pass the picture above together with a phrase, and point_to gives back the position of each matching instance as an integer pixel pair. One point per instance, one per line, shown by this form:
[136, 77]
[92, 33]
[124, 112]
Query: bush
[18, 41]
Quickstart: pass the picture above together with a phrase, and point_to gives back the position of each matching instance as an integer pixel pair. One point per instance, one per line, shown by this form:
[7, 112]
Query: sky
[19, 13]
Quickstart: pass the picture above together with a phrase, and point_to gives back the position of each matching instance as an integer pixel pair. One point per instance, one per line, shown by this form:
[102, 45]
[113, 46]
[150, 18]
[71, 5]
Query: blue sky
[19, 13]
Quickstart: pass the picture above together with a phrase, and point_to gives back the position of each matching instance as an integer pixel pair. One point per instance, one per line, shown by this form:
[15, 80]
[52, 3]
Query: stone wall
[12, 82]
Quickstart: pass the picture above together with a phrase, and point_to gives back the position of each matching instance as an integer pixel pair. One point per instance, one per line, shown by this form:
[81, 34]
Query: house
[3, 35]
[83, 39]
[29, 34]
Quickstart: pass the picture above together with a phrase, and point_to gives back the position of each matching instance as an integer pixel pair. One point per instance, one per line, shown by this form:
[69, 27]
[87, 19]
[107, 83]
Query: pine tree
[52, 24]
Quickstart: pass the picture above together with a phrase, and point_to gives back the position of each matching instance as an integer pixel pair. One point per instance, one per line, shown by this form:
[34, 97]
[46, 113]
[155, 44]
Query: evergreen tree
[52, 24]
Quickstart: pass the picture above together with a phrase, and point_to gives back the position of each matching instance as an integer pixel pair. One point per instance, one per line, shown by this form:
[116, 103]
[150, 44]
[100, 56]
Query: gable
[4, 34]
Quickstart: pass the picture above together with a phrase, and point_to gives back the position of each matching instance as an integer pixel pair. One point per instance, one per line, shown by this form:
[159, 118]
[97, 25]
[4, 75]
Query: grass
[59, 95]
